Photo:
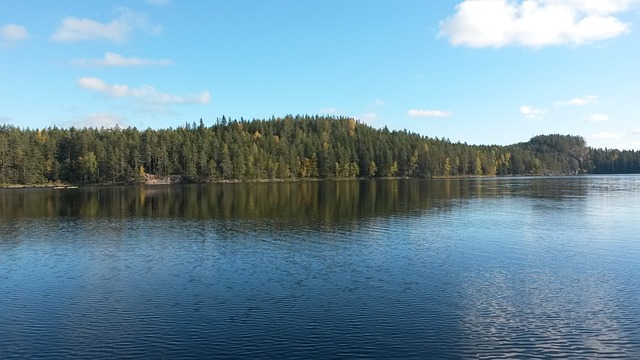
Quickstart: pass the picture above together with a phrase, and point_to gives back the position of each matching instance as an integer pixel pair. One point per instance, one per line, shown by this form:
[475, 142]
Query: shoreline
[174, 180]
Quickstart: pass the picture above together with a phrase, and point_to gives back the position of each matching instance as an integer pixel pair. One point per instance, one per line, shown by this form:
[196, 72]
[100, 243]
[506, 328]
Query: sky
[475, 71]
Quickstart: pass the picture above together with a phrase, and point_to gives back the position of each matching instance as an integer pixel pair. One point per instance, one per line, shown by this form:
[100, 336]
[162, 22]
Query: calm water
[474, 268]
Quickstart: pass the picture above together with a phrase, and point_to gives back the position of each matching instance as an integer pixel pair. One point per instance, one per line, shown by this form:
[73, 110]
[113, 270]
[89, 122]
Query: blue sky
[475, 71]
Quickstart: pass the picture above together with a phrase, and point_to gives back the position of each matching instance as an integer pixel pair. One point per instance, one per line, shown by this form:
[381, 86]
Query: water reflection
[328, 200]
[455, 268]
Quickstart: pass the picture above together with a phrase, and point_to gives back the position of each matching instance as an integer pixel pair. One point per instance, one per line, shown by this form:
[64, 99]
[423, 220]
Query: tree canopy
[290, 147]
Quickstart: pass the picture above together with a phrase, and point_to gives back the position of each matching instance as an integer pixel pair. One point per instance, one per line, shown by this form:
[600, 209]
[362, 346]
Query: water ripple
[505, 276]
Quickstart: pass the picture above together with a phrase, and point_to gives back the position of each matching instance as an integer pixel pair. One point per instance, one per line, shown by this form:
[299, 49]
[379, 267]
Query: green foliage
[293, 147]
[88, 166]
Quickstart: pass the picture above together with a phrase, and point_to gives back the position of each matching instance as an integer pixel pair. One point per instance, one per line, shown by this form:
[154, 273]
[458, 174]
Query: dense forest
[293, 147]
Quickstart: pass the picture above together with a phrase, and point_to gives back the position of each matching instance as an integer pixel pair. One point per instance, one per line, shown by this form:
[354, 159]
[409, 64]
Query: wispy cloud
[416, 113]
[145, 93]
[635, 132]
[531, 112]
[534, 23]
[579, 101]
[598, 118]
[368, 118]
[329, 111]
[380, 102]
[606, 136]
[158, 2]
[115, 60]
[118, 30]
[13, 33]
[101, 120]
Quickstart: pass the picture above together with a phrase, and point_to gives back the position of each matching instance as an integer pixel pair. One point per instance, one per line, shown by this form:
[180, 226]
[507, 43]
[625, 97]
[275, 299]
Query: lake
[544, 267]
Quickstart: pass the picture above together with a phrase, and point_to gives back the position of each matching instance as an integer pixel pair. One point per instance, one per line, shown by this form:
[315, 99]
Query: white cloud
[606, 136]
[579, 101]
[535, 23]
[101, 120]
[367, 118]
[12, 33]
[635, 132]
[613, 144]
[370, 116]
[330, 111]
[118, 30]
[145, 93]
[598, 118]
[115, 60]
[531, 112]
[380, 102]
[428, 113]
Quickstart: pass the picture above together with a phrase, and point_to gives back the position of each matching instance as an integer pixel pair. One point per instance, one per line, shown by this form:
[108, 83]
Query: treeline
[293, 147]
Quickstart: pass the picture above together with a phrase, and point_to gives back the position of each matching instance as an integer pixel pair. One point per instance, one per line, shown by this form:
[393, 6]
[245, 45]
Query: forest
[290, 147]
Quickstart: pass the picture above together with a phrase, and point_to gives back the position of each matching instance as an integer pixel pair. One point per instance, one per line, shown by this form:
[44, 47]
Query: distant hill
[292, 147]
[557, 152]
